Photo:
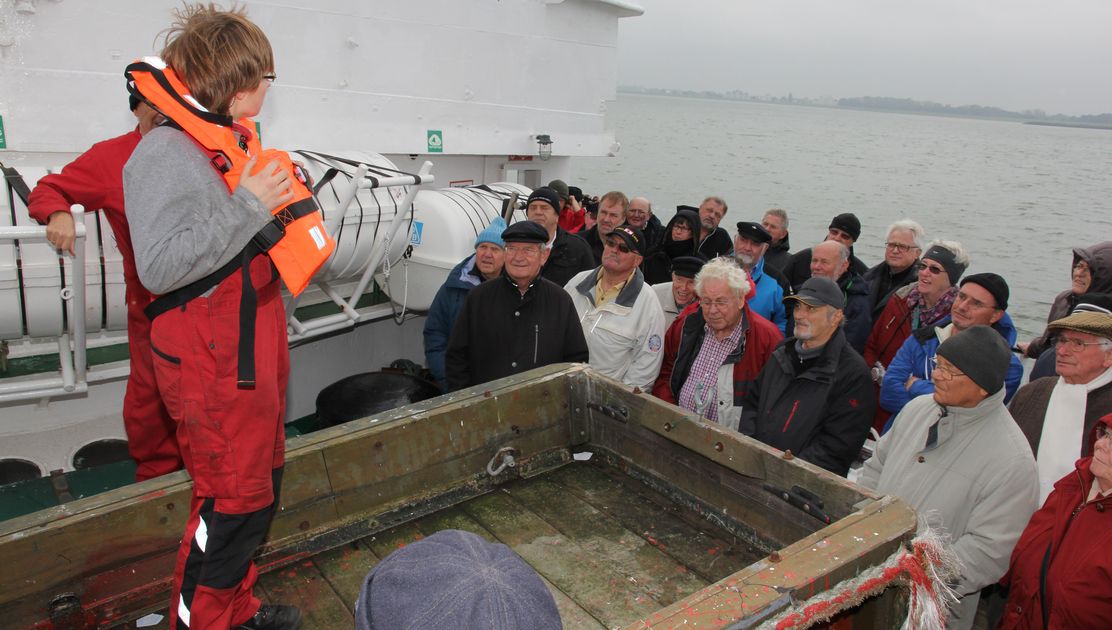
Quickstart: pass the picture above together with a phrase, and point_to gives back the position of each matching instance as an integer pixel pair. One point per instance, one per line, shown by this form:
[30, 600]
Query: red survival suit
[222, 365]
[95, 180]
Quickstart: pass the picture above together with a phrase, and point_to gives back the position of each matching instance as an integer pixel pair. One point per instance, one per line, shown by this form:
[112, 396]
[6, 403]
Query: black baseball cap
[817, 292]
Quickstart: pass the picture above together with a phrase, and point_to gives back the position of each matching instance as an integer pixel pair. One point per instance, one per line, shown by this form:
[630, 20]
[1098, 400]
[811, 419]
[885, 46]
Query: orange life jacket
[295, 240]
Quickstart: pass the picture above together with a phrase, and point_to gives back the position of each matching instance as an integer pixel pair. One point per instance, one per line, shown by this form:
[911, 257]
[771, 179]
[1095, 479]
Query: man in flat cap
[1058, 413]
[844, 228]
[958, 458]
[982, 299]
[516, 322]
[716, 347]
[619, 313]
[676, 295]
[455, 580]
[750, 244]
[568, 254]
[814, 397]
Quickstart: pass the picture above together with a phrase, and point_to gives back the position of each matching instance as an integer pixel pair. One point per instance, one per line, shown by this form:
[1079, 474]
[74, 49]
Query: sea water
[1018, 197]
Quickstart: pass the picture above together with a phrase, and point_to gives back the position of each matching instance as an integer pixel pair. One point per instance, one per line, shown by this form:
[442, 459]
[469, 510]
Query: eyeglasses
[936, 270]
[1103, 431]
[270, 77]
[530, 251]
[901, 247]
[716, 304]
[621, 247]
[965, 297]
[945, 370]
[1076, 345]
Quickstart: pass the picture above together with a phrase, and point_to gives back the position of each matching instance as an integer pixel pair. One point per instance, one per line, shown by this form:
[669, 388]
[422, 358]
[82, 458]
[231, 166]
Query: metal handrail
[74, 366]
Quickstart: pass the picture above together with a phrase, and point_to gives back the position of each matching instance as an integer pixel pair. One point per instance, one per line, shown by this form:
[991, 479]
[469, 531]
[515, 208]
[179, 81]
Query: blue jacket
[916, 358]
[768, 300]
[442, 315]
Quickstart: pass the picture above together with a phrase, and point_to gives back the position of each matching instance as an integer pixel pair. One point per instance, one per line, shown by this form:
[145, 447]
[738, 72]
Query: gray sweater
[184, 224]
[979, 482]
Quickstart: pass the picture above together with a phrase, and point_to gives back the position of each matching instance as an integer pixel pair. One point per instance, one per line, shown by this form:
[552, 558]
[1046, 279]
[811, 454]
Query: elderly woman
[679, 240]
[1059, 572]
[1091, 273]
[915, 306]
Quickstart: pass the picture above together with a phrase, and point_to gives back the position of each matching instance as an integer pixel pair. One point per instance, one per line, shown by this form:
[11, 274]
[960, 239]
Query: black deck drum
[369, 393]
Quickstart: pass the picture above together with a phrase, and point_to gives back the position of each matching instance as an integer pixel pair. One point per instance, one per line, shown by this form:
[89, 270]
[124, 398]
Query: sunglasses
[936, 270]
[621, 247]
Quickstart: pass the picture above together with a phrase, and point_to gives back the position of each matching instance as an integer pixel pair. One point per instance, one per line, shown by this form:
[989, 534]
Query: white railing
[72, 379]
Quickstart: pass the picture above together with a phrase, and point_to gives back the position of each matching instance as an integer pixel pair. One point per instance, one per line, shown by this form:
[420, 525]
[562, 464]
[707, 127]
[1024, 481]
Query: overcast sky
[1053, 55]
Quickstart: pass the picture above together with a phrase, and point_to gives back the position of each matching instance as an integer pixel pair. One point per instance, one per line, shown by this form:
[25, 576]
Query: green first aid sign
[436, 141]
[3, 138]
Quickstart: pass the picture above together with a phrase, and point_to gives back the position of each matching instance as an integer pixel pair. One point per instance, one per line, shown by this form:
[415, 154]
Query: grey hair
[718, 200]
[722, 268]
[778, 212]
[918, 234]
[955, 248]
[843, 251]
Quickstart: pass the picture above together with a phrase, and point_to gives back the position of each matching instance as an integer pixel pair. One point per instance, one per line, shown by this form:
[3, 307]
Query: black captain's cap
[525, 232]
[753, 231]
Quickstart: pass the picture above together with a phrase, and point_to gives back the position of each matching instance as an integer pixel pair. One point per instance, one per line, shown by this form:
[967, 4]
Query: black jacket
[799, 268]
[778, 255]
[717, 244]
[570, 254]
[821, 414]
[859, 319]
[883, 283]
[499, 332]
[653, 231]
[657, 266]
[595, 241]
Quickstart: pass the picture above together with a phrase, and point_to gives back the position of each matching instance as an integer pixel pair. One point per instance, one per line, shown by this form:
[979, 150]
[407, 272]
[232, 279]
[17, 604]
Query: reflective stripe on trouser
[150, 429]
[214, 577]
[231, 440]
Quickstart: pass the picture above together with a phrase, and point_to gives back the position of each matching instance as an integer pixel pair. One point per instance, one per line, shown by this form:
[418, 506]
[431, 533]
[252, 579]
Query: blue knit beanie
[492, 233]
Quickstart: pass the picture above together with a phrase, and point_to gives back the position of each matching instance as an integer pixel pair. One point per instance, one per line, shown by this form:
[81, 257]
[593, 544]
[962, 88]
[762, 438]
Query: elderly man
[678, 294]
[712, 241]
[982, 299]
[814, 397]
[640, 215]
[485, 264]
[845, 229]
[958, 457]
[619, 313]
[517, 322]
[714, 351]
[611, 213]
[900, 267]
[1058, 413]
[568, 254]
[775, 222]
[830, 259]
[750, 245]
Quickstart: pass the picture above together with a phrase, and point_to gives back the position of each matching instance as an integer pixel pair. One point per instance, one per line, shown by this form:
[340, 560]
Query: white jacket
[625, 335]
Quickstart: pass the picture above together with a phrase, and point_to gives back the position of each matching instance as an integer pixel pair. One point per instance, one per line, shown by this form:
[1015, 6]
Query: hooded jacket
[1077, 533]
[657, 265]
[779, 254]
[570, 254]
[442, 315]
[969, 471]
[822, 414]
[1099, 257]
[916, 358]
[768, 300]
[624, 335]
[737, 374]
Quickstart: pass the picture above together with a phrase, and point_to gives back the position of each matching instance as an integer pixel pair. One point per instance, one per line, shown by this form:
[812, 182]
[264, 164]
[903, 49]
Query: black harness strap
[261, 243]
[1043, 604]
[16, 184]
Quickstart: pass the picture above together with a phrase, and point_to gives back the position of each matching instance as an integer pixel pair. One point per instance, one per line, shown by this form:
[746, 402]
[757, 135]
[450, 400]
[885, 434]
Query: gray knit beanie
[451, 580]
[981, 353]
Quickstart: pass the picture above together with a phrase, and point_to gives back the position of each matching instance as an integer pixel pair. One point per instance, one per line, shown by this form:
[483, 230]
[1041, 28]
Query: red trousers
[150, 429]
[232, 442]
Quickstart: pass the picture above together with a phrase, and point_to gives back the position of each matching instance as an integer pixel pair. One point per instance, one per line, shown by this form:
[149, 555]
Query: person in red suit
[95, 180]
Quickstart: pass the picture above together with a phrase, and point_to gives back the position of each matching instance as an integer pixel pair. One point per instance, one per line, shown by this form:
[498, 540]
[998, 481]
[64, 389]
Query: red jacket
[95, 180]
[684, 338]
[889, 332]
[1079, 579]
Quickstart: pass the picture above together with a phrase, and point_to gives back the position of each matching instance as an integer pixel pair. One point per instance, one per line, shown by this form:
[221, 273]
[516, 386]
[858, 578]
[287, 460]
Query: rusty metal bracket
[615, 412]
[61, 486]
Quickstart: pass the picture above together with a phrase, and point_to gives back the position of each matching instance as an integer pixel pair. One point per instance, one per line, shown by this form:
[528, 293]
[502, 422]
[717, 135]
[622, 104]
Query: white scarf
[1063, 428]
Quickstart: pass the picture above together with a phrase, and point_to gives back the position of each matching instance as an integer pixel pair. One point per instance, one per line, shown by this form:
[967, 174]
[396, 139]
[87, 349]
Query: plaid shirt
[700, 390]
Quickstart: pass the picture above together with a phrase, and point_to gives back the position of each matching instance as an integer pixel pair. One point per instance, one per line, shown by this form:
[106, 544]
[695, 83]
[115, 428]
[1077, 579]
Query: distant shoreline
[1046, 123]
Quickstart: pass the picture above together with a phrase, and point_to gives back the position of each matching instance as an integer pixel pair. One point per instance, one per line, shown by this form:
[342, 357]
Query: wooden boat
[672, 522]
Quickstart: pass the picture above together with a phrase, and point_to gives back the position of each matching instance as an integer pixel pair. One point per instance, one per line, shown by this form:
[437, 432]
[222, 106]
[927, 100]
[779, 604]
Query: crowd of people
[814, 351]
[808, 352]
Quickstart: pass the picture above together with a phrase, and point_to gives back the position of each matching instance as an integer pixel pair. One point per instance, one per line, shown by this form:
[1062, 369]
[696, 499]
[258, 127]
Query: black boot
[274, 617]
